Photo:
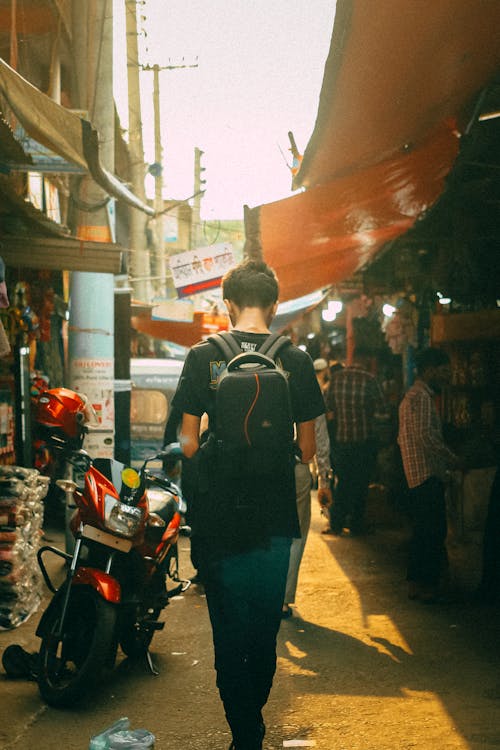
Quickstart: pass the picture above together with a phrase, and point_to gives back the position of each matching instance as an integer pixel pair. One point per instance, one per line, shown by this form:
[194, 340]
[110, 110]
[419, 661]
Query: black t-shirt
[277, 502]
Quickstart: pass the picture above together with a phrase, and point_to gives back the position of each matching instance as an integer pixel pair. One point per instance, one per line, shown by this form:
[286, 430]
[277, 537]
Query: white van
[153, 385]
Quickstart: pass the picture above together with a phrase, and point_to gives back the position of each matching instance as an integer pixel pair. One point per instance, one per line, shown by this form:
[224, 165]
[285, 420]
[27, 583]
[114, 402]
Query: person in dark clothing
[353, 399]
[426, 459]
[244, 565]
[489, 588]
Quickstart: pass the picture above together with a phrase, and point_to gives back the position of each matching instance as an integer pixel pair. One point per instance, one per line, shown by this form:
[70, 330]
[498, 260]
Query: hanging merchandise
[400, 328]
[21, 516]
[5, 348]
[4, 297]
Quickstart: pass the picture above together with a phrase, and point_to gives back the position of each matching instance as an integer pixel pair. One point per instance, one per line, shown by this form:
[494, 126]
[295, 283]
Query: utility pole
[199, 182]
[139, 262]
[160, 265]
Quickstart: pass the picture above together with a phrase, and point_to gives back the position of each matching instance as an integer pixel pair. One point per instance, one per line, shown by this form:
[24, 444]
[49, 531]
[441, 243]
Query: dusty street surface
[360, 667]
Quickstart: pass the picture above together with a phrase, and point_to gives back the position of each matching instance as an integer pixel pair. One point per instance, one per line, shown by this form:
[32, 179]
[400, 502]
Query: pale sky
[259, 74]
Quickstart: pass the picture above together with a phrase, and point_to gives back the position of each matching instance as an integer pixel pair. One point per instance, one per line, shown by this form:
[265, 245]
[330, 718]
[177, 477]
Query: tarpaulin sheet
[61, 131]
[325, 234]
[400, 86]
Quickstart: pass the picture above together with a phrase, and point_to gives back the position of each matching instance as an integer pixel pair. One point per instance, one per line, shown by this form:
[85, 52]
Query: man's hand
[324, 497]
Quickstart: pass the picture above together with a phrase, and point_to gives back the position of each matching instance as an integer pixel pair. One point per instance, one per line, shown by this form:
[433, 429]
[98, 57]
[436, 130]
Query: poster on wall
[95, 378]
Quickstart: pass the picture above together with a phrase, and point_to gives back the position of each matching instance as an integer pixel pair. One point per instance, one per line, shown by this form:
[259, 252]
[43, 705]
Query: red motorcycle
[126, 526]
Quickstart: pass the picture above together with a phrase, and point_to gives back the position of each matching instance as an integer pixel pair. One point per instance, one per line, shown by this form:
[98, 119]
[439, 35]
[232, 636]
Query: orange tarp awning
[396, 78]
[327, 233]
[186, 334]
[395, 71]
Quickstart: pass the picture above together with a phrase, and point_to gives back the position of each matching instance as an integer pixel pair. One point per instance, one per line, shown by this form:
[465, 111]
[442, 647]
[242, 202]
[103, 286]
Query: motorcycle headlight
[120, 518]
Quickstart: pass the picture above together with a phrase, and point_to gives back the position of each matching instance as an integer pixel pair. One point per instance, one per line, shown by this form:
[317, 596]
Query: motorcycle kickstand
[151, 666]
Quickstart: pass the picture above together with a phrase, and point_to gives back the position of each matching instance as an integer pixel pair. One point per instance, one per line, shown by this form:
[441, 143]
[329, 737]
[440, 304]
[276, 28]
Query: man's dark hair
[430, 357]
[251, 284]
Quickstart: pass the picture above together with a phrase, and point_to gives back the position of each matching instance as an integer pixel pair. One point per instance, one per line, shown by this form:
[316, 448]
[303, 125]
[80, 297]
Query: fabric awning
[289, 311]
[400, 84]
[61, 131]
[30, 239]
[60, 253]
[326, 234]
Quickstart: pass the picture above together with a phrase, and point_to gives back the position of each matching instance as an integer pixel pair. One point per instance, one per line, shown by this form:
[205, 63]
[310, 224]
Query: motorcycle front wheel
[71, 664]
[136, 637]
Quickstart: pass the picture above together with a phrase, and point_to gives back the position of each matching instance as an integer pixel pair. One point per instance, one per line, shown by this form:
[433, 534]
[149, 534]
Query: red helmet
[64, 411]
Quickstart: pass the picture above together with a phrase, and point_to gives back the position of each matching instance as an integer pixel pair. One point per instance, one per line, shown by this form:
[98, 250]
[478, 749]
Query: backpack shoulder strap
[273, 343]
[226, 344]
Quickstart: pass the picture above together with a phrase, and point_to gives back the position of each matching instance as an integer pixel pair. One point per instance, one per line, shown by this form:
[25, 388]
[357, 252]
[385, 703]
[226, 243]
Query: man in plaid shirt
[354, 397]
[426, 459]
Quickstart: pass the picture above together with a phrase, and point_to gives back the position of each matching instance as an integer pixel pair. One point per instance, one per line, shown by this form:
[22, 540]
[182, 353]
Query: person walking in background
[354, 398]
[426, 459]
[243, 559]
[303, 491]
[323, 375]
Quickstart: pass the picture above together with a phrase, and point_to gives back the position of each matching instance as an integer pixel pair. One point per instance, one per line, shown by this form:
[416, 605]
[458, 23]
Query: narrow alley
[360, 667]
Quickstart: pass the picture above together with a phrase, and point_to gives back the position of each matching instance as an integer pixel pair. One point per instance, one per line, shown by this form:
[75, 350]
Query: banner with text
[201, 269]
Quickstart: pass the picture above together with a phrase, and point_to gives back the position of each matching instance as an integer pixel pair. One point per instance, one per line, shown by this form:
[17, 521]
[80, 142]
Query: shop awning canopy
[30, 239]
[402, 82]
[61, 131]
[60, 253]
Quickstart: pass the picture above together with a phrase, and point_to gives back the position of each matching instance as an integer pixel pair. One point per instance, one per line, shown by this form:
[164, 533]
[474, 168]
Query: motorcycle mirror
[173, 450]
[66, 485]
[80, 459]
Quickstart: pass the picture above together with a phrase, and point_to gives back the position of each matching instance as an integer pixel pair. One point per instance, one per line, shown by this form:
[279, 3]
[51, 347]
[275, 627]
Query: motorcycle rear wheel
[70, 666]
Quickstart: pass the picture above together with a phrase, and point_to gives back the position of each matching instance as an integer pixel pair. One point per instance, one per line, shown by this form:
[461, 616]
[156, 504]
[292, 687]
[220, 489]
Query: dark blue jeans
[353, 464]
[245, 593]
[427, 551]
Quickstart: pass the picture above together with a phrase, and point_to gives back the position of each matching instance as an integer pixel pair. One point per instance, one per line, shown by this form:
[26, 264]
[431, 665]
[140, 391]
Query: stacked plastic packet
[21, 517]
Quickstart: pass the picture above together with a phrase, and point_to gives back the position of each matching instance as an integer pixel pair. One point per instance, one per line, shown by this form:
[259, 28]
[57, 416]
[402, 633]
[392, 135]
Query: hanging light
[328, 315]
[331, 311]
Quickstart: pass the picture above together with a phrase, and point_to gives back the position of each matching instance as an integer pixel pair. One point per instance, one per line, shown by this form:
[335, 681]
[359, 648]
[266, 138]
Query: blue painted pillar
[91, 352]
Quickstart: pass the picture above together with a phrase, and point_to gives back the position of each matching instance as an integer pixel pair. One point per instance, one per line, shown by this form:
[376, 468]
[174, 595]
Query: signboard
[95, 378]
[201, 269]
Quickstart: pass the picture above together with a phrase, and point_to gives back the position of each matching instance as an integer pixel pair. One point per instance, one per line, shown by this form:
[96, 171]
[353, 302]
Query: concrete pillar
[91, 321]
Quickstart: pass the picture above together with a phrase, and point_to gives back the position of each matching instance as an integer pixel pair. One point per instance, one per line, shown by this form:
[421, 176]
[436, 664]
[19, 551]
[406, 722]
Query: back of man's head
[363, 354]
[251, 284]
[430, 358]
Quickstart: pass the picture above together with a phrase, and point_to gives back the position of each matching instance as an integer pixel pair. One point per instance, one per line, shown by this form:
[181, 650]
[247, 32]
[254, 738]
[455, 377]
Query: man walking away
[244, 563]
[354, 398]
[426, 459]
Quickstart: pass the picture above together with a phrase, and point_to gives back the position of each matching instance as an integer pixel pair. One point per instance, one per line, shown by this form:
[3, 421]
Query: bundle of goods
[21, 516]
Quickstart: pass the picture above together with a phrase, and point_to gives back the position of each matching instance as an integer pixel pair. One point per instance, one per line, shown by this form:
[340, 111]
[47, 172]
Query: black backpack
[254, 426]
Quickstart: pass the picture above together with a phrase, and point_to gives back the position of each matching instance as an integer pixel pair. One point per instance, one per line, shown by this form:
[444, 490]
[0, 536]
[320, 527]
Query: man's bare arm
[190, 434]
[306, 440]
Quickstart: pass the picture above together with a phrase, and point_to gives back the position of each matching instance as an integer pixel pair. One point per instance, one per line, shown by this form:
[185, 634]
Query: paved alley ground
[360, 667]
